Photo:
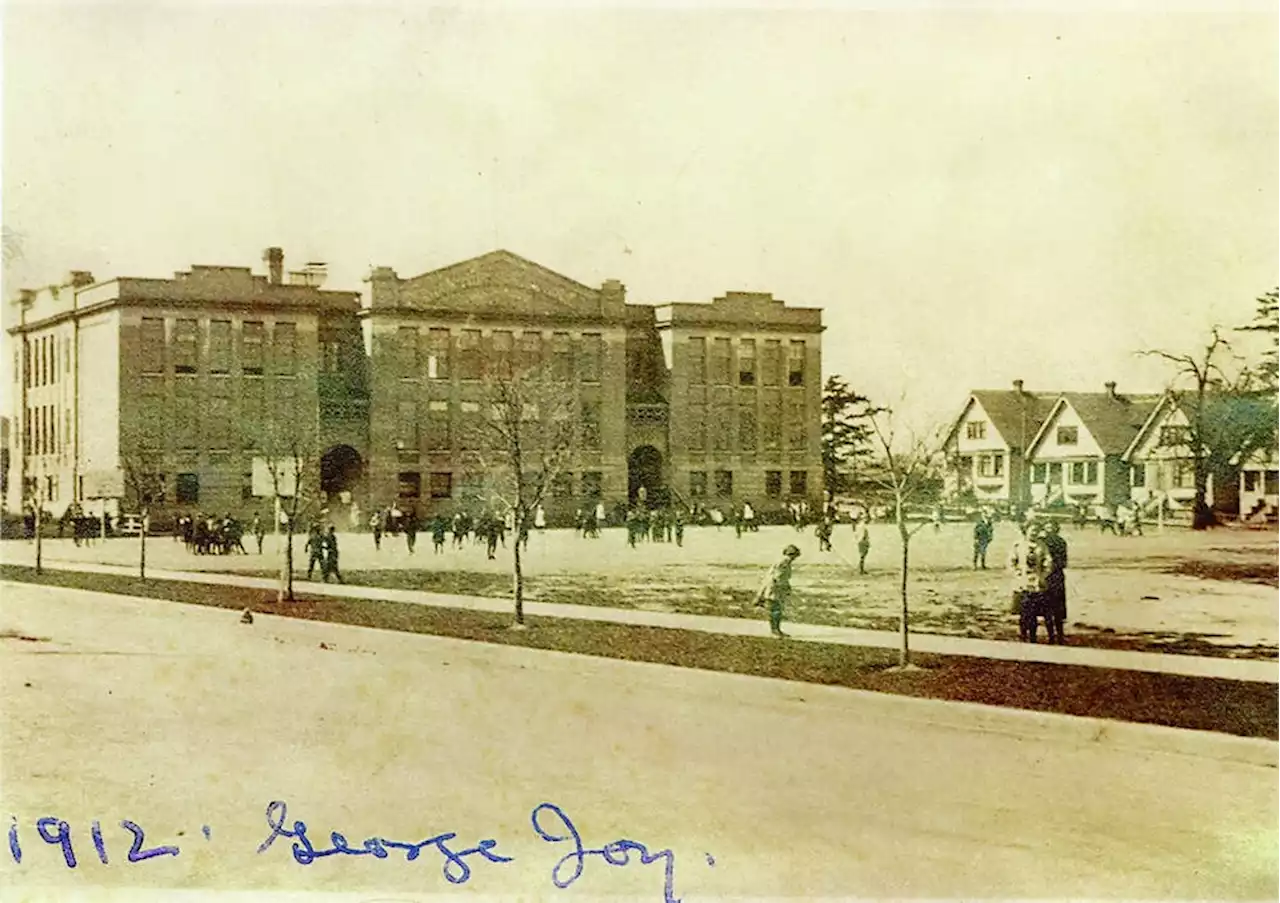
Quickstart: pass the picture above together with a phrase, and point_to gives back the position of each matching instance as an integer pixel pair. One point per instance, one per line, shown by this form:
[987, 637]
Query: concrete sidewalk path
[1157, 662]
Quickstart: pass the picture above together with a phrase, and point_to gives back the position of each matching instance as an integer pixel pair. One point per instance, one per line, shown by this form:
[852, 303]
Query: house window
[438, 438]
[747, 427]
[220, 346]
[409, 484]
[561, 357]
[406, 352]
[770, 362]
[697, 427]
[1083, 473]
[1055, 473]
[592, 354]
[469, 361]
[1138, 475]
[1068, 435]
[724, 483]
[1039, 472]
[592, 483]
[697, 362]
[991, 466]
[441, 485]
[747, 362]
[799, 482]
[795, 424]
[286, 348]
[1173, 436]
[504, 347]
[188, 488]
[697, 484]
[1271, 479]
[185, 338]
[773, 484]
[251, 334]
[795, 364]
[152, 342]
[721, 354]
[530, 351]
[976, 429]
[1250, 481]
[438, 354]
[590, 423]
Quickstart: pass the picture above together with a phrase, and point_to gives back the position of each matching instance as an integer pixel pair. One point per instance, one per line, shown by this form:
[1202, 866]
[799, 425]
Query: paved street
[177, 717]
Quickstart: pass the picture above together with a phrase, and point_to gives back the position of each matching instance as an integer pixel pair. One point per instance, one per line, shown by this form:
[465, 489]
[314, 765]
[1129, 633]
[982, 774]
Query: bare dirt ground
[1208, 593]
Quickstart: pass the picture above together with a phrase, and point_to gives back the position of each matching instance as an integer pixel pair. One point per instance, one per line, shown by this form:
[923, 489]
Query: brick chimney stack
[274, 259]
[79, 278]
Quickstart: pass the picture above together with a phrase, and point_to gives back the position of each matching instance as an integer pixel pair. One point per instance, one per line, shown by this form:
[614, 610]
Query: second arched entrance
[645, 481]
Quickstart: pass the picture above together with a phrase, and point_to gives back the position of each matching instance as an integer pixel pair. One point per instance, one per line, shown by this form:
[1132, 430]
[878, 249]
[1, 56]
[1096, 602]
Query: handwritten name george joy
[457, 860]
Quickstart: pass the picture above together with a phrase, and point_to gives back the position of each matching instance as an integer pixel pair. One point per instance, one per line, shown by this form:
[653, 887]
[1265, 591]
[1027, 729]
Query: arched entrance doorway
[341, 469]
[644, 476]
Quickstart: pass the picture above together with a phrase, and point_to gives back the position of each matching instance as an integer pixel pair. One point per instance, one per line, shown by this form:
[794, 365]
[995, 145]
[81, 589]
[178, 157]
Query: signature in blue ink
[553, 826]
[455, 869]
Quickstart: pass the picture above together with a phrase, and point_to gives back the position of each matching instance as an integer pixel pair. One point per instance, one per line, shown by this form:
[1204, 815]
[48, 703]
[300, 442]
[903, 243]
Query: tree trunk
[518, 571]
[1202, 516]
[142, 546]
[288, 560]
[904, 657]
[39, 545]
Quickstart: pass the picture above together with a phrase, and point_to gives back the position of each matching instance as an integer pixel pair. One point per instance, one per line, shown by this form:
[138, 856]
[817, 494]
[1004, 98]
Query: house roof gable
[1112, 420]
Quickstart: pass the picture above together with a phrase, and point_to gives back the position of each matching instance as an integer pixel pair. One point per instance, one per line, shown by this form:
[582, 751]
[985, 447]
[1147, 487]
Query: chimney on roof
[274, 259]
[79, 278]
[1111, 389]
[26, 296]
[1017, 386]
[613, 292]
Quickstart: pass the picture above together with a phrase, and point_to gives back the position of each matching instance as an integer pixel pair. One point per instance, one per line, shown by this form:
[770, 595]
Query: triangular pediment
[495, 281]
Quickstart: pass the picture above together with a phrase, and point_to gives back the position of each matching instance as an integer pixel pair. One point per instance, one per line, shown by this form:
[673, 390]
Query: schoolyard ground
[1211, 593]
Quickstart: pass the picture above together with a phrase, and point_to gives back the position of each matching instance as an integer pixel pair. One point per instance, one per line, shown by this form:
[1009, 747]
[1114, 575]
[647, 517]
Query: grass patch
[1233, 707]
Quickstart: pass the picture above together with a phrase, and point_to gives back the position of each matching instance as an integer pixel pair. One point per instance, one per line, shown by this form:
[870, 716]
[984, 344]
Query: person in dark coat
[411, 529]
[330, 546]
[315, 549]
[775, 591]
[1055, 584]
[983, 531]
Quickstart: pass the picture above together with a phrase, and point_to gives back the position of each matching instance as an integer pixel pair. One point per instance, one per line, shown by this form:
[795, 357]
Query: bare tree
[293, 485]
[144, 483]
[1229, 413]
[522, 441]
[909, 473]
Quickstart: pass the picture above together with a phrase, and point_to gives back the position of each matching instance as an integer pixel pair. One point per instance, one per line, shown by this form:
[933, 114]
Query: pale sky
[973, 196]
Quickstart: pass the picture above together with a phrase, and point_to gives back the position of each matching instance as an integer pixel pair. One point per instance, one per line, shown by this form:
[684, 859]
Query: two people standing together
[1038, 561]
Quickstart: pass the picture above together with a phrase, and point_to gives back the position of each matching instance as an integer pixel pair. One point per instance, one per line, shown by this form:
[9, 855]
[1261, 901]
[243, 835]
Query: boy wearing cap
[776, 589]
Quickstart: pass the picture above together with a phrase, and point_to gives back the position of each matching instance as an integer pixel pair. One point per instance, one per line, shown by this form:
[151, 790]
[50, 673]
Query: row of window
[1078, 473]
[722, 483]
[182, 348]
[440, 485]
[37, 364]
[749, 372]
[1270, 481]
[40, 430]
[467, 430]
[769, 429]
[499, 354]
[1070, 435]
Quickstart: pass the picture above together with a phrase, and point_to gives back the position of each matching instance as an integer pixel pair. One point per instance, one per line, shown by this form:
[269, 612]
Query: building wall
[982, 463]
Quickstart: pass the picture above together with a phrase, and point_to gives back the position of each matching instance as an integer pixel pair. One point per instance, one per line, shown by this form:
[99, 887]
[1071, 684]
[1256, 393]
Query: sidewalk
[1166, 663]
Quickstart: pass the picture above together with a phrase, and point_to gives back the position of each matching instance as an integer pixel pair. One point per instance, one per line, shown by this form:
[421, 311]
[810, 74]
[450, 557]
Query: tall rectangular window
[438, 354]
[220, 346]
[409, 485]
[561, 357]
[251, 335]
[773, 484]
[592, 484]
[697, 484]
[441, 485]
[747, 427]
[590, 423]
[185, 346]
[406, 364]
[188, 488]
[795, 426]
[747, 362]
[721, 354]
[186, 416]
[151, 341]
[469, 362]
[697, 427]
[503, 364]
[286, 348]
[218, 423]
[799, 482]
[771, 422]
[438, 437]
[251, 412]
[530, 351]
[724, 483]
[722, 430]
[697, 361]
[795, 364]
[407, 426]
[471, 432]
[592, 354]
